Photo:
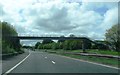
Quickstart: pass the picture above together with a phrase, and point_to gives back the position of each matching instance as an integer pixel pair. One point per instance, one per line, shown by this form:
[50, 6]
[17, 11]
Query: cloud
[100, 0]
[110, 18]
[60, 17]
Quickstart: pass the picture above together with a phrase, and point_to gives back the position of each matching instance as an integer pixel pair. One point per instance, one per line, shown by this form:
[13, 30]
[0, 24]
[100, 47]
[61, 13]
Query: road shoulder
[11, 62]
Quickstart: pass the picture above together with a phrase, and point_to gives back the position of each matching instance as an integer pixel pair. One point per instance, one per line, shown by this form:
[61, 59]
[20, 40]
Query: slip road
[41, 62]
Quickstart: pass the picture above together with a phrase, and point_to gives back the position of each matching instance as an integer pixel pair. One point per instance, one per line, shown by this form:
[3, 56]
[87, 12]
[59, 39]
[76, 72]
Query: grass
[107, 52]
[102, 60]
[104, 52]
[107, 61]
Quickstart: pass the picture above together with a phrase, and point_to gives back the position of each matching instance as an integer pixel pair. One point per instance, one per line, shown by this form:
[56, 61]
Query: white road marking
[89, 62]
[17, 64]
[46, 57]
[53, 62]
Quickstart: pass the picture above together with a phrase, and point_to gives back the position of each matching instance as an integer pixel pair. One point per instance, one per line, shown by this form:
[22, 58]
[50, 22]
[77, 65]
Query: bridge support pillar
[83, 46]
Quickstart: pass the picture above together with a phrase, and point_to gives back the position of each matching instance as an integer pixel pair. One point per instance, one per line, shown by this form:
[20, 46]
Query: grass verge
[106, 52]
[101, 60]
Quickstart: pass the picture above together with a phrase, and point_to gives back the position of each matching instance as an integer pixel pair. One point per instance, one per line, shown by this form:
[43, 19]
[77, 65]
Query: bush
[9, 44]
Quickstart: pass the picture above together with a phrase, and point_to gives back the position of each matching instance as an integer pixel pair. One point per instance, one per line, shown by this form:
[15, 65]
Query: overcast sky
[60, 17]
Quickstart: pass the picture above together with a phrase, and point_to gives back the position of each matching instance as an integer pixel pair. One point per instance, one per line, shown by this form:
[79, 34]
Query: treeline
[68, 45]
[9, 44]
[111, 42]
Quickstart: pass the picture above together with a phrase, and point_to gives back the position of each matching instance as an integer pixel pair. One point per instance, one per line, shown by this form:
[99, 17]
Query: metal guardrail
[4, 56]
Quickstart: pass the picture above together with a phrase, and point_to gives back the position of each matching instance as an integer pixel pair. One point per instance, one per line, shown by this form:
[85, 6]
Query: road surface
[41, 62]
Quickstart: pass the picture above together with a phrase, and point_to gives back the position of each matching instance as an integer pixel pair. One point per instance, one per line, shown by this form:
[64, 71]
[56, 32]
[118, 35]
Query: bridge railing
[51, 35]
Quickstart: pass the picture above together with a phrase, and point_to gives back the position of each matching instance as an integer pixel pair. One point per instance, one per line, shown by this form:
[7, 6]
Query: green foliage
[66, 45]
[94, 46]
[57, 45]
[0, 25]
[9, 44]
[37, 44]
[88, 44]
[40, 46]
[108, 52]
[46, 41]
[47, 46]
[101, 45]
[61, 44]
[54, 46]
[72, 44]
[6, 48]
[8, 30]
[112, 37]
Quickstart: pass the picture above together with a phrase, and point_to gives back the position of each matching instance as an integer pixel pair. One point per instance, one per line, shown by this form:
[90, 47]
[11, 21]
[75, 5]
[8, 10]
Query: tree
[37, 44]
[55, 45]
[112, 35]
[66, 45]
[46, 41]
[9, 44]
[61, 40]
[40, 46]
[71, 35]
[101, 45]
[72, 44]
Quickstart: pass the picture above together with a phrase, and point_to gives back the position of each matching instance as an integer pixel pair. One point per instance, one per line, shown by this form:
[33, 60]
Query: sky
[60, 17]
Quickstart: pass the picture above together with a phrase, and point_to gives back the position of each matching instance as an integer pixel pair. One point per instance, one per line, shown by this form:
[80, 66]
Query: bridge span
[83, 39]
[52, 38]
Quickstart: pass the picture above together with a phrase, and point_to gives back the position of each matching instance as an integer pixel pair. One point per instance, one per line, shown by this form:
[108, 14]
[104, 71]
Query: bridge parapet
[49, 35]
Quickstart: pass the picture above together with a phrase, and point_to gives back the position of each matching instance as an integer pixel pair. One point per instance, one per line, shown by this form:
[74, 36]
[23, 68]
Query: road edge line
[90, 62]
[17, 64]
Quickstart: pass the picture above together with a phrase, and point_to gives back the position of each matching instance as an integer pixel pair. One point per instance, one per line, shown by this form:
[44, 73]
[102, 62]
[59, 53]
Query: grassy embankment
[102, 60]
[106, 52]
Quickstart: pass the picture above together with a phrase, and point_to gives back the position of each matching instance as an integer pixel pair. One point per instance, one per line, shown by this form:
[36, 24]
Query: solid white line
[90, 62]
[53, 62]
[17, 64]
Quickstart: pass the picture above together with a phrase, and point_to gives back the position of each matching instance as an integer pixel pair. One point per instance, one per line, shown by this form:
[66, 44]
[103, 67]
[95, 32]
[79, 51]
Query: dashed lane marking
[53, 62]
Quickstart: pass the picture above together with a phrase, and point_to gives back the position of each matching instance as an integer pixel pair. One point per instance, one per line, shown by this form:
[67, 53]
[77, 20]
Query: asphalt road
[41, 62]
[12, 61]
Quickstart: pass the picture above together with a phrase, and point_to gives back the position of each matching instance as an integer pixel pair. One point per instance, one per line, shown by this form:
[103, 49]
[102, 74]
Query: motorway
[42, 62]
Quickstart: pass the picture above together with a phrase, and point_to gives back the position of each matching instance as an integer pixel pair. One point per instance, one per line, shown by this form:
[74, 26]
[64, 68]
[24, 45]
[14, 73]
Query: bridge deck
[53, 38]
